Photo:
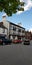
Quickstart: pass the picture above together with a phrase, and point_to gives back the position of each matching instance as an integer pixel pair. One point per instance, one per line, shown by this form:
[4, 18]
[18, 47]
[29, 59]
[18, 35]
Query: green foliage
[10, 6]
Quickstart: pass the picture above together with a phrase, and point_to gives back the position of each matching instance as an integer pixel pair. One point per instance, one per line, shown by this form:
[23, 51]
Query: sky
[25, 17]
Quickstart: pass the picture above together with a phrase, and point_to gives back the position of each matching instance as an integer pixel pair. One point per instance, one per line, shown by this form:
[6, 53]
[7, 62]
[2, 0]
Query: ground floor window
[19, 37]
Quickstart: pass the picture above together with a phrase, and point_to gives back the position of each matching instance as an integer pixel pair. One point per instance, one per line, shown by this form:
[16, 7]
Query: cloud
[19, 12]
[30, 29]
[27, 6]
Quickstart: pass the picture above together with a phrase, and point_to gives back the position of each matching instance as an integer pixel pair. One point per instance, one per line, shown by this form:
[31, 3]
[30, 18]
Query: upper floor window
[22, 31]
[14, 28]
[11, 27]
[3, 30]
[19, 30]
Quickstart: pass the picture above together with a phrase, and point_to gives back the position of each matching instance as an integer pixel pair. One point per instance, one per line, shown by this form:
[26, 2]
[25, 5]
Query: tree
[11, 6]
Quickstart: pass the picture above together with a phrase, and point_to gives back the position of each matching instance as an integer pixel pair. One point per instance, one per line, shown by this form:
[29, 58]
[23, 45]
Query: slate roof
[16, 24]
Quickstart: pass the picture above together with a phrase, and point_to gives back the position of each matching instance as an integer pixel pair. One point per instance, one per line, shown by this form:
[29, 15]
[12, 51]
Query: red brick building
[28, 35]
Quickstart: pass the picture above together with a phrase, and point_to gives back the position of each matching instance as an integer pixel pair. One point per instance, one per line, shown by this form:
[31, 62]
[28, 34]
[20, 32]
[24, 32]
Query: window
[22, 31]
[11, 27]
[14, 28]
[3, 30]
[19, 30]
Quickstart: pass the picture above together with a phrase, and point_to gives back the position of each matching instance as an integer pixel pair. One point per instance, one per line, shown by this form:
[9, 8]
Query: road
[16, 54]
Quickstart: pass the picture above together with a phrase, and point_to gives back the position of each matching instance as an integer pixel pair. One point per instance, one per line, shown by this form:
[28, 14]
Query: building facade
[28, 35]
[3, 29]
[16, 31]
[13, 31]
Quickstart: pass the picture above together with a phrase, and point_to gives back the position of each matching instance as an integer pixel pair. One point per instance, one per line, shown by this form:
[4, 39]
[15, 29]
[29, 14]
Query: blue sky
[24, 17]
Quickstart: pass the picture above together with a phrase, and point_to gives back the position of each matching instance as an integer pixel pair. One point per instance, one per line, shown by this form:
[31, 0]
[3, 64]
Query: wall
[3, 31]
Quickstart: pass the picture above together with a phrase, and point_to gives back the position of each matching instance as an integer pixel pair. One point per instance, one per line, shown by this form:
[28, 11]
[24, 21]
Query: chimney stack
[4, 17]
[20, 24]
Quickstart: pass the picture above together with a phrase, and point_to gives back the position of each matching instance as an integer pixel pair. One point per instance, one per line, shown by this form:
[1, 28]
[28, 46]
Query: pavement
[16, 54]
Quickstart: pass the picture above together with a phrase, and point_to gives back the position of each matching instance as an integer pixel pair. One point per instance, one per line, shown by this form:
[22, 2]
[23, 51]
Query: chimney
[4, 18]
[20, 24]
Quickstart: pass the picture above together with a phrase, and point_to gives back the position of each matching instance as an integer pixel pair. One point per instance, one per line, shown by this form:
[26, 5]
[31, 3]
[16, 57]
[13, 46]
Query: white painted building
[3, 29]
[13, 30]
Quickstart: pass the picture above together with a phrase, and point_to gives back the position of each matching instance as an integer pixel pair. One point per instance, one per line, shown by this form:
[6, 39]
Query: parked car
[1, 42]
[26, 42]
[17, 41]
[4, 40]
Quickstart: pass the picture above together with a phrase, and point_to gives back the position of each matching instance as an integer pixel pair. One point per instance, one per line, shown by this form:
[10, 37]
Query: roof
[15, 24]
[2, 26]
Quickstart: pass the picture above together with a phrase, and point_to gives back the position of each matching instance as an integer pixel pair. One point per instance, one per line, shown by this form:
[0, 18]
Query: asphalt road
[16, 54]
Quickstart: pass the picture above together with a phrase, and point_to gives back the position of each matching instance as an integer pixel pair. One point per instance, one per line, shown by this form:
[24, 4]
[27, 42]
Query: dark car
[4, 40]
[1, 42]
[26, 42]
